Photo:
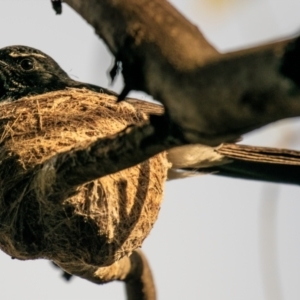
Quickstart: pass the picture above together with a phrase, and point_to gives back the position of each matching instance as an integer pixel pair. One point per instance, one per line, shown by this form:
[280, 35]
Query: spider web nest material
[97, 223]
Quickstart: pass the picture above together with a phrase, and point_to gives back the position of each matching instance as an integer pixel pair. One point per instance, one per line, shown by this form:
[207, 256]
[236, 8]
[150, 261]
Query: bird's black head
[27, 71]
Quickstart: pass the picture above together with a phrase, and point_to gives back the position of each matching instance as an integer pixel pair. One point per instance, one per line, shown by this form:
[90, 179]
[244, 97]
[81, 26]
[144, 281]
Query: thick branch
[213, 97]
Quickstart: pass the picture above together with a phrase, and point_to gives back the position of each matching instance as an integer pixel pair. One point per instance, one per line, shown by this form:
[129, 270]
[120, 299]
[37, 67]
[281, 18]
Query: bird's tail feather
[242, 161]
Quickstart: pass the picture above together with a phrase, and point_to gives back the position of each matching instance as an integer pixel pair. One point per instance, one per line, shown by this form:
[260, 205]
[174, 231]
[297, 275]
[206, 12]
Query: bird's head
[27, 71]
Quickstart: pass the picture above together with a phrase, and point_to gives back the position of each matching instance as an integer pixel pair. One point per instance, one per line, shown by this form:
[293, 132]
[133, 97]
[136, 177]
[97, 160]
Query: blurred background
[216, 238]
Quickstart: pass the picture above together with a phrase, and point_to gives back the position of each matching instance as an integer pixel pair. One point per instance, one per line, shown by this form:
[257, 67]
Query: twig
[133, 270]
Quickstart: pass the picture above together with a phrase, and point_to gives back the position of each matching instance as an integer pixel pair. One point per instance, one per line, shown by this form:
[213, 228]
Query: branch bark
[214, 98]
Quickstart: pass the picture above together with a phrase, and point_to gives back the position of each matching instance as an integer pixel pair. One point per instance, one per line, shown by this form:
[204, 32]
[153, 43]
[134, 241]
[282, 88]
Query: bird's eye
[26, 64]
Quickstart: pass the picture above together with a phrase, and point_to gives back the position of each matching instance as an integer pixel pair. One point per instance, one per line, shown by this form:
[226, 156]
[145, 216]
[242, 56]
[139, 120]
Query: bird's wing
[260, 154]
[246, 162]
[259, 163]
[262, 171]
[238, 161]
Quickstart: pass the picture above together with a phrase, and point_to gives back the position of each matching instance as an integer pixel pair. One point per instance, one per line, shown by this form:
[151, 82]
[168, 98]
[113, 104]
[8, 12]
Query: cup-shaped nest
[95, 223]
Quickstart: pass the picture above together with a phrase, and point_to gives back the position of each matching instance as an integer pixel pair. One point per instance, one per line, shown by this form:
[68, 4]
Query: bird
[26, 71]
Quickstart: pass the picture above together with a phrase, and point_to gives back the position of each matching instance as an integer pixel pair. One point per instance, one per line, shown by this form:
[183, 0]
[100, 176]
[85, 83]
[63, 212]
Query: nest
[96, 223]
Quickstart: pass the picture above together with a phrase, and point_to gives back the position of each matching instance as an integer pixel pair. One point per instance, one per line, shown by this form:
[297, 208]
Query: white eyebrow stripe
[15, 54]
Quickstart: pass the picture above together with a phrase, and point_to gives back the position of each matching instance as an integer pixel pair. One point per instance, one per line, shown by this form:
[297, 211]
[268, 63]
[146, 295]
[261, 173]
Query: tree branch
[214, 98]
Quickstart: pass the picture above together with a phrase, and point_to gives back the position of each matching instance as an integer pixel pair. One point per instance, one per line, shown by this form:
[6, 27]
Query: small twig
[133, 270]
[140, 283]
[57, 6]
